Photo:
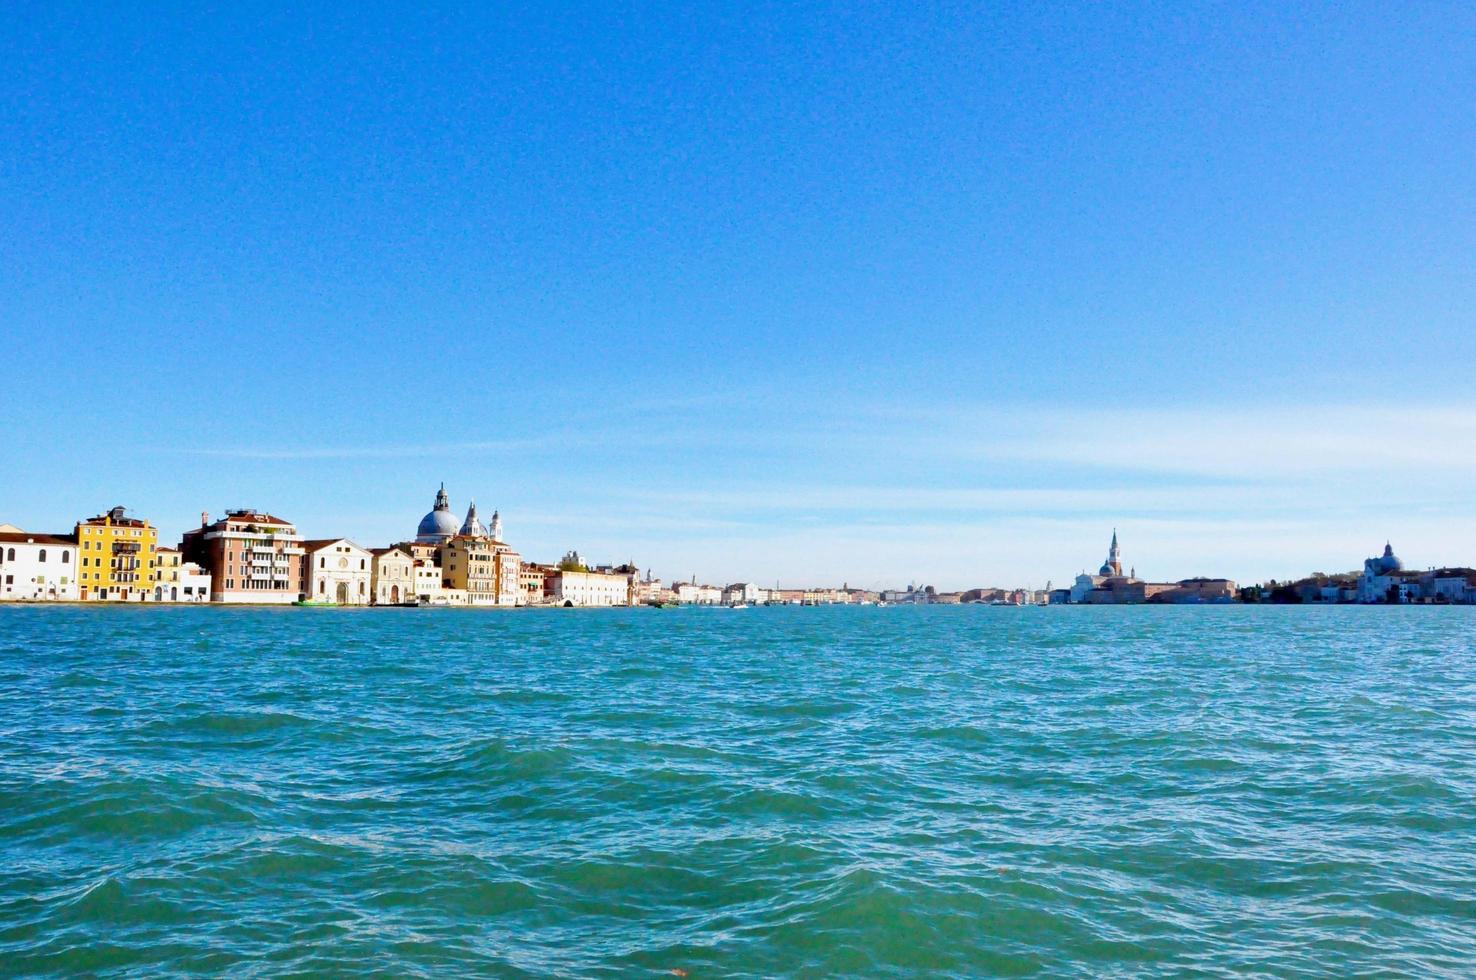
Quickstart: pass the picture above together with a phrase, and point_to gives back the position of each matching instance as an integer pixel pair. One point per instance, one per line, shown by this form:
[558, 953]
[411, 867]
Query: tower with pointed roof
[496, 526]
[1113, 565]
[472, 528]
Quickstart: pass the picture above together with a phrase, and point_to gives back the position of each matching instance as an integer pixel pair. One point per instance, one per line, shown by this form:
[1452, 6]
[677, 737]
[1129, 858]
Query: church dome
[1389, 562]
[440, 524]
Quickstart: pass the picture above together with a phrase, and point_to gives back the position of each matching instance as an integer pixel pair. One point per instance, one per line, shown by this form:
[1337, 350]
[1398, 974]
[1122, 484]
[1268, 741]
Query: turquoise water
[761, 792]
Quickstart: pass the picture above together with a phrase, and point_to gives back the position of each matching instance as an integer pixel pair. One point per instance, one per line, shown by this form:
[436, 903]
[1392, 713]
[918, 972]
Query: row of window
[66, 555]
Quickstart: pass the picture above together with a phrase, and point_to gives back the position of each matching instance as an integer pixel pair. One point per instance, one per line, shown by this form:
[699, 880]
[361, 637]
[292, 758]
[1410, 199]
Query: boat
[314, 602]
[740, 605]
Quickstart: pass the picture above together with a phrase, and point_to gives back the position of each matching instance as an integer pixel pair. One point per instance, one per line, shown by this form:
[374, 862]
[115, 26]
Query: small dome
[473, 527]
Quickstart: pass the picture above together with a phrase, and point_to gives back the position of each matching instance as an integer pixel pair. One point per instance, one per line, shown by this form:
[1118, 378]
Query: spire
[496, 526]
[473, 527]
[442, 501]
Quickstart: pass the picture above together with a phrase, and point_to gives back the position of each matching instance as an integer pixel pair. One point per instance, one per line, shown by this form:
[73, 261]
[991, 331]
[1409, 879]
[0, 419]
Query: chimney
[204, 518]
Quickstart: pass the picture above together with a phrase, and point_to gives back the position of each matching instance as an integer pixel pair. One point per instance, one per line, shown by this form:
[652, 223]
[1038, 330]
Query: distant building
[117, 555]
[691, 593]
[531, 577]
[744, 592]
[38, 567]
[1385, 580]
[1192, 591]
[1449, 585]
[1110, 587]
[252, 557]
[392, 576]
[569, 586]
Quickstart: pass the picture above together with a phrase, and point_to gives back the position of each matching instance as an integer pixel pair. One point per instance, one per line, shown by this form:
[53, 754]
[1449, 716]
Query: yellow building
[469, 564]
[118, 557]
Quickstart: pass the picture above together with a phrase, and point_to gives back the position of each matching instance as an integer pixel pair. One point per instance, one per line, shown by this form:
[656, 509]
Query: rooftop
[29, 537]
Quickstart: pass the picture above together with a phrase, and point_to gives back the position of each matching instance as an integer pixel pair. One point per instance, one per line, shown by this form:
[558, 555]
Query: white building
[38, 567]
[568, 587]
[1384, 579]
[177, 580]
[745, 592]
[336, 570]
[698, 595]
[392, 578]
[430, 588]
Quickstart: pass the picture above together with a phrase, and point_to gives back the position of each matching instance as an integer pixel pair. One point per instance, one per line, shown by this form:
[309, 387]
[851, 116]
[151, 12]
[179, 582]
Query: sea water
[765, 792]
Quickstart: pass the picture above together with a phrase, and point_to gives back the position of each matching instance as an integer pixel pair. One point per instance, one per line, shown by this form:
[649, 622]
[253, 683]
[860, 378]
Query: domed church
[440, 525]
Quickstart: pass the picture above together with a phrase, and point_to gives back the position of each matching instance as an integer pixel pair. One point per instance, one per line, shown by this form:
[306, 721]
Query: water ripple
[966, 792]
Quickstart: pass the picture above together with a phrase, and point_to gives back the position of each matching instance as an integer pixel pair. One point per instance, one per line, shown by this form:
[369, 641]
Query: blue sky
[852, 292]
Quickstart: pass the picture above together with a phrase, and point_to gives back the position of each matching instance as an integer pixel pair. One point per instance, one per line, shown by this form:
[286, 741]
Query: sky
[852, 293]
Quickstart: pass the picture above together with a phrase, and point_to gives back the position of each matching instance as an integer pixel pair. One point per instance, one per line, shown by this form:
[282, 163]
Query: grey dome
[440, 524]
[1389, 562]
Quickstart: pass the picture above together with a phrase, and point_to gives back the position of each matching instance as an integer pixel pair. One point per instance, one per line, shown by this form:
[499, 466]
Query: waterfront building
[1453, 585]
[531, 577]
[508, 574]
[468, 564]
[38, 567]
[1385, 580]
[252, 557]
[177, 580]
[703, 595]
[392, 576]
[1110, 587]
[472, 559]
[116, 553]
[1193, 591]
[336, 570]
[744, 592]
[430, 586]
[590, 587]
[440, 525]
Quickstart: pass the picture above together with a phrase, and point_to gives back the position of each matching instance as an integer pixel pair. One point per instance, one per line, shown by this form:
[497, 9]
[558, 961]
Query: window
[42, 556]
[66, 557]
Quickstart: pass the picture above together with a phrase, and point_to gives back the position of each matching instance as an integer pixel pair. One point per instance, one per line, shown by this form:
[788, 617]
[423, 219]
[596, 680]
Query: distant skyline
[841, 293]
